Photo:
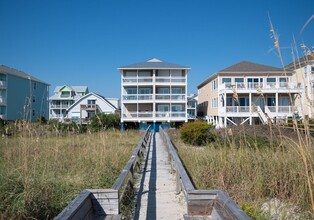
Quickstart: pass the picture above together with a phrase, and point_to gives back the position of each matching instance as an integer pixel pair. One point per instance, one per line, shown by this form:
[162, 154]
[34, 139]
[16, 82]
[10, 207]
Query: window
[131, 91]
[238, 80]
[271, 82]
[33, 112]
[34, 99]
[214, 102]
[226, 80]
[163, 90]
[34, 85]
[214, 84]
[163, 108]
[283, 82]
[176, 108]
[176, 90]
[145, 91]
[305, 72]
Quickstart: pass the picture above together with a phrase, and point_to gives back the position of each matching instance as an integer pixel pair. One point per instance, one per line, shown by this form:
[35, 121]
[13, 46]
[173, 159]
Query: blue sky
[78, 42]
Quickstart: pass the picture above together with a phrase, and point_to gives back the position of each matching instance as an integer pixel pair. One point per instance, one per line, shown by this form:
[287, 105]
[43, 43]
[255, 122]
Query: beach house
[249, 93]
[22, 96]
[153, 92]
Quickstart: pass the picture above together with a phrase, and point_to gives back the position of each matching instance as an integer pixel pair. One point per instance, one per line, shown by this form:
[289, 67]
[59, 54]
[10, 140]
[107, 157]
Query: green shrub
[196, 133]
[104, 121]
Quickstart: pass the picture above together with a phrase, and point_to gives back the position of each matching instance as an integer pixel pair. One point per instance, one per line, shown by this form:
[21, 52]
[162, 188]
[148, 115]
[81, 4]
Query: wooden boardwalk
[156, 196]
[163, 189]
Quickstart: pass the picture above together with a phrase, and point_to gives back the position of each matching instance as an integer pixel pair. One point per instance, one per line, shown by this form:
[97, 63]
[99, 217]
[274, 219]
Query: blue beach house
[22, 96]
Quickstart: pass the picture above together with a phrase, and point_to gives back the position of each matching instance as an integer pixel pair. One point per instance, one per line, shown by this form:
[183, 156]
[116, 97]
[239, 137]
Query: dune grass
[253, 164]
[41, 174]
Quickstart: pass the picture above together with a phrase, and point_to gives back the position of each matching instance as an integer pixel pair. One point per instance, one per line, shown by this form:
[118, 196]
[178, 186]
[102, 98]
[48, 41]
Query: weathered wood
[227, 208]
[121, 179]
[108, 199]
[80, 208]
[201, 203]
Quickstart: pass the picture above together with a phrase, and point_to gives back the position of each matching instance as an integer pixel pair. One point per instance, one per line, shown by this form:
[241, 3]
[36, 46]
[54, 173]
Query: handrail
[102, 203]
[201, 203]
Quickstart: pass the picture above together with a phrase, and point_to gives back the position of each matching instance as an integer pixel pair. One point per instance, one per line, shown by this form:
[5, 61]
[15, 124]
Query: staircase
[262, 115]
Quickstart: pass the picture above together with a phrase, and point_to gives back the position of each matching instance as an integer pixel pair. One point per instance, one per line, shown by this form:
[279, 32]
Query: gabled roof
[88, 95]
[74, 88]
[244, 67]
[154, 64]
[249, 67]
[7, 70]
[302, 62]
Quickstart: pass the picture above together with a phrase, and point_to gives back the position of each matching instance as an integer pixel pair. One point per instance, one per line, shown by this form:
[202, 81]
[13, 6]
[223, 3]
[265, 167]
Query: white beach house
[153, 92]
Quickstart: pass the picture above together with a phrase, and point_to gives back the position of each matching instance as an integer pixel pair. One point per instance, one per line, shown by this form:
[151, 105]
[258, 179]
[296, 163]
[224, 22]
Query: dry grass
[252, 168]
[40, 175]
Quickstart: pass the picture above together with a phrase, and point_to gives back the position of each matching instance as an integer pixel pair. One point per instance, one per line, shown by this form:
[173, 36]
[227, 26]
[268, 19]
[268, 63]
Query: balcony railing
[3, 84]
[272, 109]
[173, 97]
[60, 106]
[238, 109]
[3, 100]
[150, 114]
[167, 80]
[282, 109]
[264, 86]
[90, 107]
[170, 80]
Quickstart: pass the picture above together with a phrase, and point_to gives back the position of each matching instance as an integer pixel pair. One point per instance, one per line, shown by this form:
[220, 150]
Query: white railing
[237, 109]
[162, 80]
[150, 114]
[59, 106]
[281, 109]
[145, 79]
[3, 84]
[177, 97]
[145, 97]
[162, 96]
[3, 100]
[129, 97]
[267, 85]
[135, 80]
[262, 115]
[170, 80]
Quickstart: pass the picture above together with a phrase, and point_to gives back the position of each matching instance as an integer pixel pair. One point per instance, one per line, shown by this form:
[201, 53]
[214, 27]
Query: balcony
[135, 97]
[137, 80]
[158, 97]
[149, 80]
[172, 97]
[270, 110]
[168, 80]
[149, 116]
[3, 101]
[261, 86]
[89, 107]
[56, 106]
[3, 84]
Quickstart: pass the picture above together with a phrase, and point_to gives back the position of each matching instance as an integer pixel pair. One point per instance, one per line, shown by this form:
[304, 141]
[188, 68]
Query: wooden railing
[105, 203]
[200, 203]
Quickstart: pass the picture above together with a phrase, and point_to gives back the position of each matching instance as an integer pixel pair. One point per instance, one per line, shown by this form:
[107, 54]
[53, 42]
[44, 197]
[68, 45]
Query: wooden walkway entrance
[156, 196]
[163, 191]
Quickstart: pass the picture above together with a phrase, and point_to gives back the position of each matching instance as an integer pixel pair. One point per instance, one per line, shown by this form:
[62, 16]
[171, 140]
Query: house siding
[20, 93]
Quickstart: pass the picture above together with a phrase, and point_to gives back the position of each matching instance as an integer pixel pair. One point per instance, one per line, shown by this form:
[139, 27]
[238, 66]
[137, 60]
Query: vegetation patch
[44, 167]
[254, 164]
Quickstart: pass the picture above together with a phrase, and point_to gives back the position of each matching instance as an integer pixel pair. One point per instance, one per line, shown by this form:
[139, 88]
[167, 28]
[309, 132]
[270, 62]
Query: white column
[250, 107]
[154, 95]
[276, 104]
